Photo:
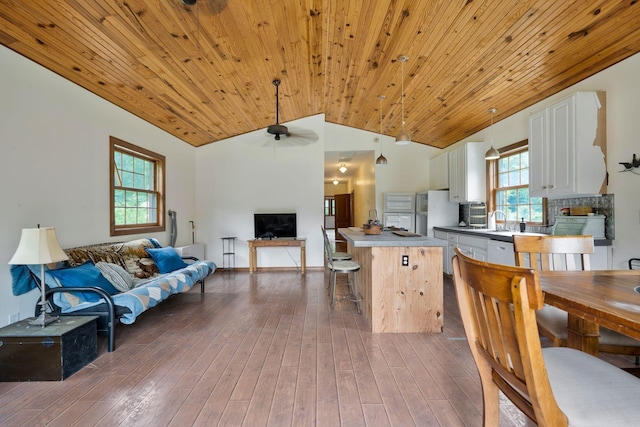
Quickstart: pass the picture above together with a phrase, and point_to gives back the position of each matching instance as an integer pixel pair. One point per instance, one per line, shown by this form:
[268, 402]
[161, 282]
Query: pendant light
[403, 137]
[381, 160]
[492, 153]
[342, 168]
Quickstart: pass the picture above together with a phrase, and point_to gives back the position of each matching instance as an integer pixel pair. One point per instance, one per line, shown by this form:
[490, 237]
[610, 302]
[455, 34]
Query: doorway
[344, 216]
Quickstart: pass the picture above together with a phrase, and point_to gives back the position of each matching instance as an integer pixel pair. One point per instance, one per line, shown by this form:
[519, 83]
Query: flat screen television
[275, 225]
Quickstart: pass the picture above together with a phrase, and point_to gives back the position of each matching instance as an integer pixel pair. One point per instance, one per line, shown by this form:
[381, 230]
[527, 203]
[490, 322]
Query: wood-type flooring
[264, 350]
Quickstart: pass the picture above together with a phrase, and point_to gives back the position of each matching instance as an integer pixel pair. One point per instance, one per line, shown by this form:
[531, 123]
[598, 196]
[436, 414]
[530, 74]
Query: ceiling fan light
[381, 160]
[492, 154]
[403, 138]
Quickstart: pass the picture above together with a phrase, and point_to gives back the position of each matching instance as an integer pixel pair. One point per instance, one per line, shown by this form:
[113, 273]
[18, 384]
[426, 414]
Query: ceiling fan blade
[302, 136]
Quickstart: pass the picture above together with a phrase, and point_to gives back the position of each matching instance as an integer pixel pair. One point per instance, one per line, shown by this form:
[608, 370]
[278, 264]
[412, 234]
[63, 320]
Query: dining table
[609, 298]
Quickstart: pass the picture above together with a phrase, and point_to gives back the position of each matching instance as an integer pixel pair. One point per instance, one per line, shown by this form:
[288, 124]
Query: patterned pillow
[116, 275]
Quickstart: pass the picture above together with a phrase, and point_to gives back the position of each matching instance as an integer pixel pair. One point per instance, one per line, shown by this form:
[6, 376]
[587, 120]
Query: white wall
[253, 173]
[54, 165]
[622, 86]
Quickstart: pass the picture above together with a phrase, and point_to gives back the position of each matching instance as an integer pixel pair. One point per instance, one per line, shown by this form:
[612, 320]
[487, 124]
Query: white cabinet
[602, 259]
[500, 252]
[447, 251]
[567, 146]
[475, 247]
[439, 172]
[467, 171]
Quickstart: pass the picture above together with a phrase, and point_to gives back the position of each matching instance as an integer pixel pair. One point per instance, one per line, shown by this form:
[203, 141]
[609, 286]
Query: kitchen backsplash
[601, 205]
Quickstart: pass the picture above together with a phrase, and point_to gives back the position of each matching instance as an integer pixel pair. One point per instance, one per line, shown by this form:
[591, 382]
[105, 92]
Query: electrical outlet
[405, 260]
[13, 318]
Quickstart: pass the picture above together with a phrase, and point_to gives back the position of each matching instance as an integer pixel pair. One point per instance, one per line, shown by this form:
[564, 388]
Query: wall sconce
[631, 167]
[342, 168]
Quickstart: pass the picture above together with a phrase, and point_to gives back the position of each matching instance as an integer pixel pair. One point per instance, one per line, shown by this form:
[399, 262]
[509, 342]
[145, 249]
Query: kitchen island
[400, 280]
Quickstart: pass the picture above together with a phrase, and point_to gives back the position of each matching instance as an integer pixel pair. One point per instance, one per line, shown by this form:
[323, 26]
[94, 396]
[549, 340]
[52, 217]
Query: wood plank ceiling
[203, 73]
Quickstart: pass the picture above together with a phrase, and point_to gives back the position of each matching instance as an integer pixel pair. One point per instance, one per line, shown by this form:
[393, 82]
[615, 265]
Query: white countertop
[357, 238]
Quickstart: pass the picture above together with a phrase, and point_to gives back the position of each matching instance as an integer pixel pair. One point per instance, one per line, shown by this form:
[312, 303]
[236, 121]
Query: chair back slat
[549, 253]
[497, 307]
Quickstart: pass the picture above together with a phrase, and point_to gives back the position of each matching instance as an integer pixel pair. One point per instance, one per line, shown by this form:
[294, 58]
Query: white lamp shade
[403, 138]
[38, 246]
[492, 154]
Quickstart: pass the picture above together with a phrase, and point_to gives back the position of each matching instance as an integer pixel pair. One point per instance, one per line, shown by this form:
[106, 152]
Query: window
[137, 189]
[509, 184]
[329, 206]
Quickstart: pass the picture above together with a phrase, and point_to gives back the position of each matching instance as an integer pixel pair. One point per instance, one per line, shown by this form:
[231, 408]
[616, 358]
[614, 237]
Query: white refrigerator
[433, 209]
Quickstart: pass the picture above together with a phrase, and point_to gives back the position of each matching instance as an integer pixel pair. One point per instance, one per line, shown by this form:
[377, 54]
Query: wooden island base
[399, 298]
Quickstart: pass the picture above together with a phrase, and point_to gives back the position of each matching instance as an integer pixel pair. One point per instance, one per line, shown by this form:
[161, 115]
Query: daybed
[116, 281]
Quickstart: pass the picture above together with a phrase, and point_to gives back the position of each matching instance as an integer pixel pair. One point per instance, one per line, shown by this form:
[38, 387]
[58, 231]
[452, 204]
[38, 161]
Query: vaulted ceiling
[204, 72]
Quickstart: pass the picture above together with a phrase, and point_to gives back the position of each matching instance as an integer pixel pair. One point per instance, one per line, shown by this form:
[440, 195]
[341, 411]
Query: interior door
[343, 210]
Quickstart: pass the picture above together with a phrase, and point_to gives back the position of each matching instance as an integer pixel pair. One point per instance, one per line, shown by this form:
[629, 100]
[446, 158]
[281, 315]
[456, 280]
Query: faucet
[492, 218]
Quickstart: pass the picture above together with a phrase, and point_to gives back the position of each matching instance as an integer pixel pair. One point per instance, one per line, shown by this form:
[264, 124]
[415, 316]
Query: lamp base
[43, 320]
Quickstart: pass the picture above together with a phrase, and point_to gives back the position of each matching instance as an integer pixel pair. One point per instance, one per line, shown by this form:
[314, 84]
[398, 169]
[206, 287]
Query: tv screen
[275, 225]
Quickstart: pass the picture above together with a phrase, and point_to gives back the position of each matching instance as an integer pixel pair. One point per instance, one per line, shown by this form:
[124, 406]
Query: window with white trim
[509, 184]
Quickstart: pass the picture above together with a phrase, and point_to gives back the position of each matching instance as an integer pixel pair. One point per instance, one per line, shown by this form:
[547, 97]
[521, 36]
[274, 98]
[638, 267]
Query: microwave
[592, 225]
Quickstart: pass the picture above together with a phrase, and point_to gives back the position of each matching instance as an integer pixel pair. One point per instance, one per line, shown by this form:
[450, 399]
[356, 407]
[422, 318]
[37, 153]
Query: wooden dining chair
[547, 253]
[554, 386]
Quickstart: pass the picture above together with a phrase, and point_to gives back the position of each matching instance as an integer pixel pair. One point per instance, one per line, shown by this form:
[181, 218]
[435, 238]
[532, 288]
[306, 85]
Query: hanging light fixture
[342, 168]
[492, 153]
[381, 160]
[403, 137]
[336, 182]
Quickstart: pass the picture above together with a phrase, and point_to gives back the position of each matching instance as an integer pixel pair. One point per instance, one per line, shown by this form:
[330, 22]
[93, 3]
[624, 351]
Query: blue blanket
[21, 280]
[145, 295]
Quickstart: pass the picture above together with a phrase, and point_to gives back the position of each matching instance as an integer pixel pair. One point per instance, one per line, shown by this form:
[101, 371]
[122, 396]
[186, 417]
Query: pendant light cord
[402, 71]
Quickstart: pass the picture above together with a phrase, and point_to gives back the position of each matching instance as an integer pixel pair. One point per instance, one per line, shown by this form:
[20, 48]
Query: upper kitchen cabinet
[567, 147]
[439, 172]
[467, 173]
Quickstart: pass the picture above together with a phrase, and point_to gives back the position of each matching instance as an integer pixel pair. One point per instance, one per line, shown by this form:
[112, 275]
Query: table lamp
[39, 246]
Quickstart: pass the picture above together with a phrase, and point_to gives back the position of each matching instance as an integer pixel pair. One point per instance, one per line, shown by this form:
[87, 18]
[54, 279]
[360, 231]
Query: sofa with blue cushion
[115, 281]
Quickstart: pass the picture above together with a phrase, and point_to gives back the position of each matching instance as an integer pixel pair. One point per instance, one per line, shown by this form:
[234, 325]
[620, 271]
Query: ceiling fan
[277, 129]
[305, 136]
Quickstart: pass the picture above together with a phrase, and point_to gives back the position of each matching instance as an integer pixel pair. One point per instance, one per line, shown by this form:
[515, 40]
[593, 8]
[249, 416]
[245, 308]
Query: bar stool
[336, 256]
[347, 267]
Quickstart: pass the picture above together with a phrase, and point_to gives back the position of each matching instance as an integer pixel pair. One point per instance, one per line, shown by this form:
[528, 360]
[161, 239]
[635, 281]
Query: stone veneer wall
[601, 205]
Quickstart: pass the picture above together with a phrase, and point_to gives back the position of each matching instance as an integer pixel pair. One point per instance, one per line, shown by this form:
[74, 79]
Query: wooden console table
[274, 243]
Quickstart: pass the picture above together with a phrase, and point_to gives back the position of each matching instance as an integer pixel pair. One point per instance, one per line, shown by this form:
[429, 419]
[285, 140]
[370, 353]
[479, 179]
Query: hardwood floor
[263, 349]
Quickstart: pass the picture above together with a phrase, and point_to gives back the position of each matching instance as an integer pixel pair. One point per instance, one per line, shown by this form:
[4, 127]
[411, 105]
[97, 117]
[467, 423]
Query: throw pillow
[167, 259]
[116, 275]
[86, 274]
